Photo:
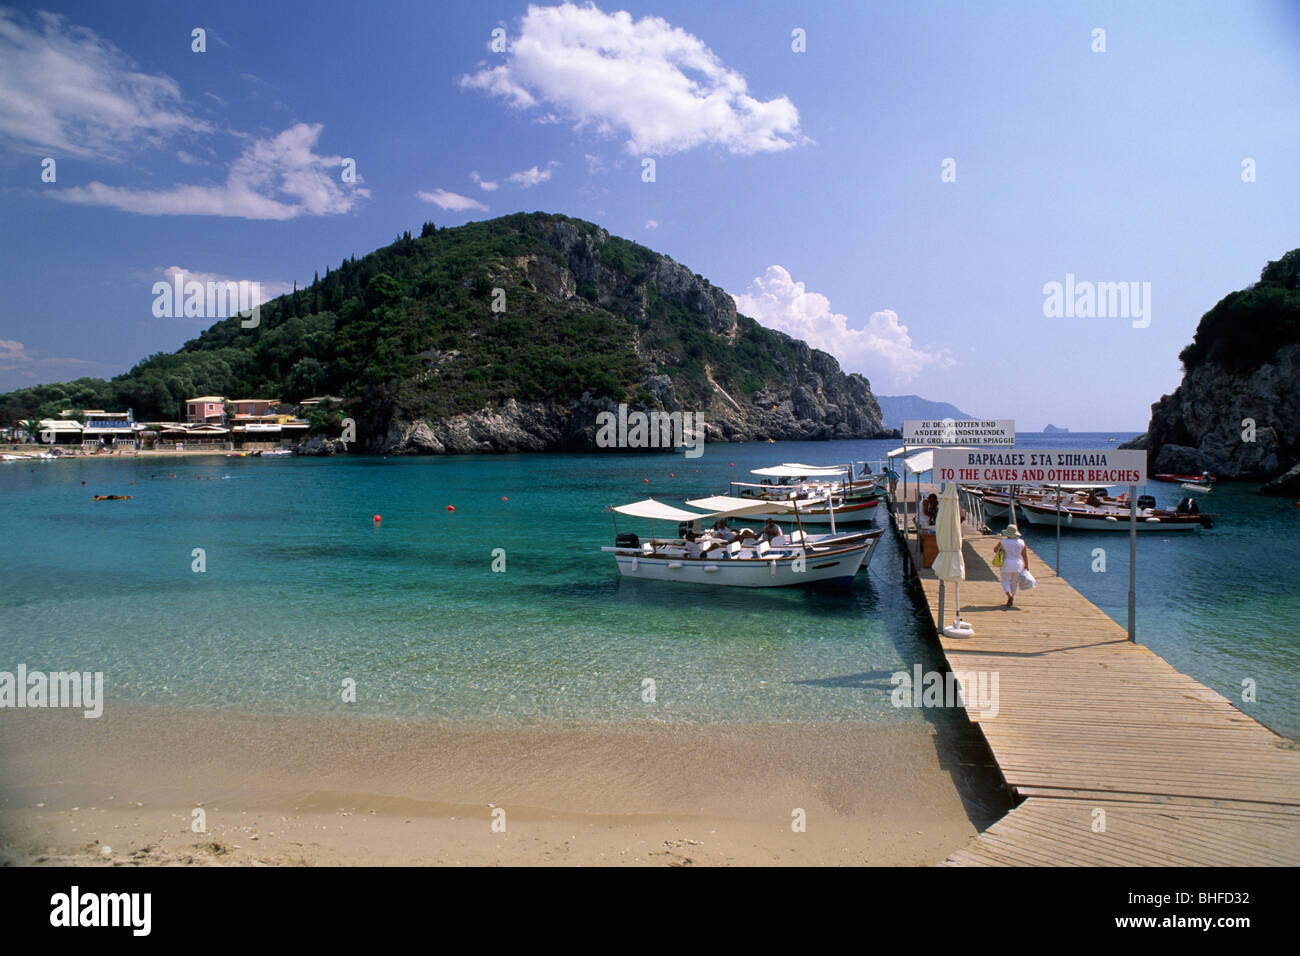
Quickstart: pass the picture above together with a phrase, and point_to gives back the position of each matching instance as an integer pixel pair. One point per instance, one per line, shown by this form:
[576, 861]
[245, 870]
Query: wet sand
[335, 790]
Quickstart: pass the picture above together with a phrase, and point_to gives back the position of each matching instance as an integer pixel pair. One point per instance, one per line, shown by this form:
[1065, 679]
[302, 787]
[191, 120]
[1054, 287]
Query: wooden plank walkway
[1087, 720]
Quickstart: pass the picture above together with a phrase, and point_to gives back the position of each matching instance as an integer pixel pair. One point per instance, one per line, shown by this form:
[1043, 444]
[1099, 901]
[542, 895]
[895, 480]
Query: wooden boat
[844, 501]
[1203, 477]
[828, 479]
[1111, 517]
[797, 559]
[997, 504]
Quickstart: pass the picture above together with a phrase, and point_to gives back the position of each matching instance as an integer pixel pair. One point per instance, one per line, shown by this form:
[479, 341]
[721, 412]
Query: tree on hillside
[31, 429]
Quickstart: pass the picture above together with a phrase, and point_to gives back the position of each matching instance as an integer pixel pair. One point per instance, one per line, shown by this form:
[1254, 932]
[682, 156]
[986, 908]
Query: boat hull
[1084, 521]
[835, 567]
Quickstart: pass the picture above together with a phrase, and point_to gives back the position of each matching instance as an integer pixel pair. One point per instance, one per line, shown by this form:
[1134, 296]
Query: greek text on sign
[964, 431]
[1030, 466]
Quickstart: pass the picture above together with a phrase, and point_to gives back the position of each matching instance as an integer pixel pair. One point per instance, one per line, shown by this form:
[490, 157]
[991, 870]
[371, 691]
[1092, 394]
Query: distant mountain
[1053, 428]
[895, 409]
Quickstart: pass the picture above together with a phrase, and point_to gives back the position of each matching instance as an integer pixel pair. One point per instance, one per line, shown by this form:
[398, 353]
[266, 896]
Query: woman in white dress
[1015, 560]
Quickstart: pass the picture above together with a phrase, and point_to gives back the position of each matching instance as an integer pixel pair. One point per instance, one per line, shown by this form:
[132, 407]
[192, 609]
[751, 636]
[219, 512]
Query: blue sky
[809, 184]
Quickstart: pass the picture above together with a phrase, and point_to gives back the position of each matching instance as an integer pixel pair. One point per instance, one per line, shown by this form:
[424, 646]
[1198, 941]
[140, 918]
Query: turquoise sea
[302, 591]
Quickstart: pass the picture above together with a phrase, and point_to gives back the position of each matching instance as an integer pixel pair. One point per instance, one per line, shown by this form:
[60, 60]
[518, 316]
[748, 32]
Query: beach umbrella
[948, 564]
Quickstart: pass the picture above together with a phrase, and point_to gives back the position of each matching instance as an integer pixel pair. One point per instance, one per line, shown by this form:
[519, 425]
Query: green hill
[409, 335]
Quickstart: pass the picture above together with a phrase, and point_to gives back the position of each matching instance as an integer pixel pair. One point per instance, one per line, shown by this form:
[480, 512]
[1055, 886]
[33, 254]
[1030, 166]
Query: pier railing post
[1058, 531]
[1132, 561]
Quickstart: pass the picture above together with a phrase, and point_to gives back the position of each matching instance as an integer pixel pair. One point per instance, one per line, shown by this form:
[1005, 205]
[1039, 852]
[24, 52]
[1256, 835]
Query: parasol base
[959, 628]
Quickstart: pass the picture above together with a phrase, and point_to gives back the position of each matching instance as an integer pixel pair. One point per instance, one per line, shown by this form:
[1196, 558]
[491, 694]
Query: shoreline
[345, 791]
[124, 456]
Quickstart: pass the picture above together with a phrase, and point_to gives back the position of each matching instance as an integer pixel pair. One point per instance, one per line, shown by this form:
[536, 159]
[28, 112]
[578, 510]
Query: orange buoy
[376, 519]
[646, 480]
[504, 498]
[451, 507]
[670, 475]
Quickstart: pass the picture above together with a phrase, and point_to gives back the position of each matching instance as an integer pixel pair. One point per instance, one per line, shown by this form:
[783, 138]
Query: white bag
[1027, 579]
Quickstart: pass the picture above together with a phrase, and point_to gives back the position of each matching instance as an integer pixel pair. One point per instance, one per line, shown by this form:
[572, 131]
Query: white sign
[954, 431]
[1030, 466]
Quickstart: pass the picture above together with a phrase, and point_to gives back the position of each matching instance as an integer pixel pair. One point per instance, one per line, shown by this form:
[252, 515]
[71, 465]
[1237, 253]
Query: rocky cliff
[690, 352]
[1236, 413]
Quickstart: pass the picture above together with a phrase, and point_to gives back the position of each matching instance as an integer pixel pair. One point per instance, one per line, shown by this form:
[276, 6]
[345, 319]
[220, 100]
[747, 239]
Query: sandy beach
[123, 790]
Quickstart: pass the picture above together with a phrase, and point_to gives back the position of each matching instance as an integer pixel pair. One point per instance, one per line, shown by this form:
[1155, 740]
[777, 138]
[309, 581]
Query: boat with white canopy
[704, 551]
[867, 484]
[824, 493]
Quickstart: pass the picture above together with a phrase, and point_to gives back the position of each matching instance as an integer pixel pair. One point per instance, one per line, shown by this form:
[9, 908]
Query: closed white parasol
[948, 564]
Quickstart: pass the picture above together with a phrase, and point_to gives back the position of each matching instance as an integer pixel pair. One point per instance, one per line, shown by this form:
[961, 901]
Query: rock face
[1237, 412]
[809, 398]
[320, 445]
[1206, 424]
[1287, 485]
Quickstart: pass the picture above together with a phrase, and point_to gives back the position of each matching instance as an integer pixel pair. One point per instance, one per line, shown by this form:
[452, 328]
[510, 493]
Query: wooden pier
[1117, 758]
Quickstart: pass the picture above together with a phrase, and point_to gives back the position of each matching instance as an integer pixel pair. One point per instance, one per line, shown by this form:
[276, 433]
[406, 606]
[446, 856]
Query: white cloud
[449, 200]
[652, 223]
[655, 84]
[266, 289]
[527, 178]
[882, 347]
[486, 185]
[278, 178]
[65, 91]
[18, 364]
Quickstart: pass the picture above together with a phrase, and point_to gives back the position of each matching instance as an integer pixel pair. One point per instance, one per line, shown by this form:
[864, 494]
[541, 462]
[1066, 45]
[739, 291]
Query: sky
[898, 184]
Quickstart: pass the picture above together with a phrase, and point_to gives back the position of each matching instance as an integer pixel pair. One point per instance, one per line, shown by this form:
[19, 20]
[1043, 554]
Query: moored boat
[1111, 518]
[794, 559]
[1203, 478]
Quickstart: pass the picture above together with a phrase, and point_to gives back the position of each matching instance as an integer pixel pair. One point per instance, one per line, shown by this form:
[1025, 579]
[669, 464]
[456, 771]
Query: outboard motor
[627, 540]
[1146, 501]
[1184, 506]
[1207, 522]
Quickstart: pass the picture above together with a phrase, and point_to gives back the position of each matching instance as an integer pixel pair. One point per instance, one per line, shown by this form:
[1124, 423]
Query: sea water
[266, 586]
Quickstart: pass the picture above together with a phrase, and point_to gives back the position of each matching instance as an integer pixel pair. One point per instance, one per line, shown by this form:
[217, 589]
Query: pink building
[206, 410]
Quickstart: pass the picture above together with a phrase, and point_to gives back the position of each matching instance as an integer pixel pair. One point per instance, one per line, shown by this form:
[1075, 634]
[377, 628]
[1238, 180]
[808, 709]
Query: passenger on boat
[693, 547]
[1014, 561]
[726, 534]
[1093, 500]
[772, 533]
[1188, 506]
